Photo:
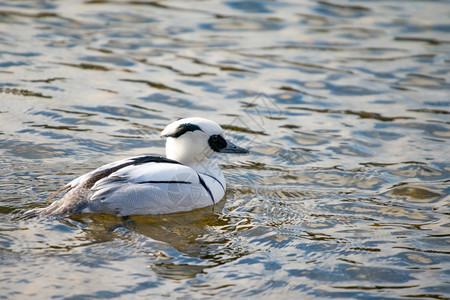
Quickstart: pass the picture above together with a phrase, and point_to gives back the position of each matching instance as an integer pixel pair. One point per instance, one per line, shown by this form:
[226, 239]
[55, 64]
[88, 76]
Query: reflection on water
[344, 106]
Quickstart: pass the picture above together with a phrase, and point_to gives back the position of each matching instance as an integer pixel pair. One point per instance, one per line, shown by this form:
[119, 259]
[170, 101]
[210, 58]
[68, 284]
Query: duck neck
[209, 167]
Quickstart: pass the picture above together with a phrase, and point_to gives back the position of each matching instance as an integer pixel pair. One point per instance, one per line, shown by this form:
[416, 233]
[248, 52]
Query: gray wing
[136, 185]
[153, 188]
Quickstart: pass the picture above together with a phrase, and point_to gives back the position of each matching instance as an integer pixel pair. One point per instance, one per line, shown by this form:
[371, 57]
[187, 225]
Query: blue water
[343, 104]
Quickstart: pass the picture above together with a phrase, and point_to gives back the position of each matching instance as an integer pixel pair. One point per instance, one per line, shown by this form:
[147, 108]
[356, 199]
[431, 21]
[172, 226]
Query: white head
[192, 140]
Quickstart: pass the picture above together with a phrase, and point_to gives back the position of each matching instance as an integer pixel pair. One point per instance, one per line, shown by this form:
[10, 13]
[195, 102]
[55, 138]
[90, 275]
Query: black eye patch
[182, 129]
[217, 143]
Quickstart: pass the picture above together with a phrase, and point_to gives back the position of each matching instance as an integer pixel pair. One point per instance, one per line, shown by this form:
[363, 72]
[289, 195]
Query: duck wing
[150, 188]
[136, 185]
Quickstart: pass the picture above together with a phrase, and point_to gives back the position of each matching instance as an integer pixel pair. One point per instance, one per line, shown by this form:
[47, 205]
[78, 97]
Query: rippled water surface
[343, 104]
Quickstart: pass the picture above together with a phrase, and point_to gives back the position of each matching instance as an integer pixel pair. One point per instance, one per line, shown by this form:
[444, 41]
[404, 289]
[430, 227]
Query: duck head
[192, 140]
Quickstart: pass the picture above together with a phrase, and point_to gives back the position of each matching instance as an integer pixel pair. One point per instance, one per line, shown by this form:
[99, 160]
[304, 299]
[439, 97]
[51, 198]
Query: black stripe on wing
[133, 162]
[217, 180]
[157, 159]
[164, 181]
[206, 188]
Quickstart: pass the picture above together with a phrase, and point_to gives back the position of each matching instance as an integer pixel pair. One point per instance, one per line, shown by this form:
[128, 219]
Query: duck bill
[232, 148]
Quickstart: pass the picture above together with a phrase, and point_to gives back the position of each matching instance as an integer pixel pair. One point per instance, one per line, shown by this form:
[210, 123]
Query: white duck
[185, 180]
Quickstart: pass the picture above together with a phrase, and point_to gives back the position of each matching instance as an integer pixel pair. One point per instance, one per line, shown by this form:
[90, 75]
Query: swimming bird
[184, 180]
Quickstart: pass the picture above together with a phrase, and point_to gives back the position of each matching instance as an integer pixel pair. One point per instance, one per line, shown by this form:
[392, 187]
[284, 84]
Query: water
[343, 104]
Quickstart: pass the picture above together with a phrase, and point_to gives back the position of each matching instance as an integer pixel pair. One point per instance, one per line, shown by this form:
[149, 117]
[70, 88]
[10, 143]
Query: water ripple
[343, 105]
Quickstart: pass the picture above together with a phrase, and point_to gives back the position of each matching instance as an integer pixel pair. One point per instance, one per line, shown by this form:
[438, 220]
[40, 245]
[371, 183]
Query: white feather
[152, 185]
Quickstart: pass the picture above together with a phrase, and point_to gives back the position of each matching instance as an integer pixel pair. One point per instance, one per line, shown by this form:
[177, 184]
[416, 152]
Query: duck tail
[51, 210]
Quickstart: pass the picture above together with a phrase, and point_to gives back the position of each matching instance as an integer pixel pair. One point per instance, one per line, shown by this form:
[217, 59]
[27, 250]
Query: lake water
[343, 104]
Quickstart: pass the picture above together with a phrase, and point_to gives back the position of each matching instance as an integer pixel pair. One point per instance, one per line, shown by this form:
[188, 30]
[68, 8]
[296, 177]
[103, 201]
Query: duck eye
[217, 143]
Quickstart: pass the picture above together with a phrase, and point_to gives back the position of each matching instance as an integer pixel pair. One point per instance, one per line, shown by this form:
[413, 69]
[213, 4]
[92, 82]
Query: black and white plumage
[183, 180]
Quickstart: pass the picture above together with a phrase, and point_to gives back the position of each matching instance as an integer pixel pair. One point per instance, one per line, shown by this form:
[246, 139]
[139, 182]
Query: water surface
[343, 104]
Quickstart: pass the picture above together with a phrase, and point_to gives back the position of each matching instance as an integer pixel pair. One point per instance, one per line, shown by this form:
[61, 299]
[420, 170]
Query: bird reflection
[180, 245]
